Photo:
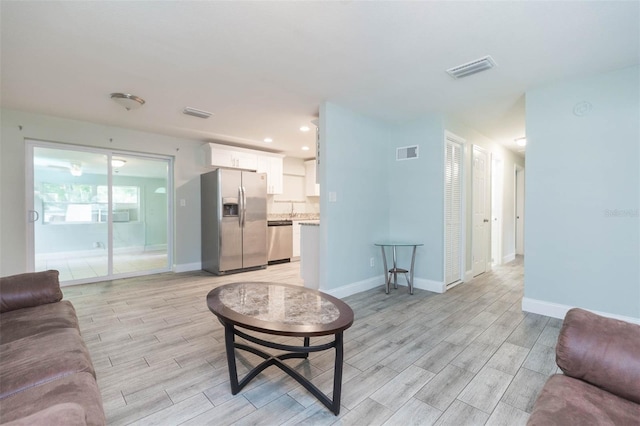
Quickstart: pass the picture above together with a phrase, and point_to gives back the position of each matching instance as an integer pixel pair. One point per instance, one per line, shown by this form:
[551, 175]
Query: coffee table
[284, 310]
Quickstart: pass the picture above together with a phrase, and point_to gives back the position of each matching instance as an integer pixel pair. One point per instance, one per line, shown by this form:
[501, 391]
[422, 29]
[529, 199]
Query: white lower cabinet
[296, 238]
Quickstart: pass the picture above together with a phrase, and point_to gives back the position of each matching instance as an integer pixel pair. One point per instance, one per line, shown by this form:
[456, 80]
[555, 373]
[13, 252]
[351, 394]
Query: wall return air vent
[473, 67]
[407, 153]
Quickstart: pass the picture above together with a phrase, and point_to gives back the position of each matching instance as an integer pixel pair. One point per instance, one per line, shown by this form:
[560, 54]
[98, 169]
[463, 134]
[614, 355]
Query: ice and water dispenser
[229, 207]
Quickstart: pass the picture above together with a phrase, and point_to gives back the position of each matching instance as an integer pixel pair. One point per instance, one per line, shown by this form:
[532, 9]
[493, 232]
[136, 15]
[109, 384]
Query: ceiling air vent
[407, 153]
[196, 112]
[472, 67]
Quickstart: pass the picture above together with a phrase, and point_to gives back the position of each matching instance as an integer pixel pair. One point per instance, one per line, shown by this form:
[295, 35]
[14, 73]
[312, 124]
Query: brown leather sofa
[600, 358]
[46, 374]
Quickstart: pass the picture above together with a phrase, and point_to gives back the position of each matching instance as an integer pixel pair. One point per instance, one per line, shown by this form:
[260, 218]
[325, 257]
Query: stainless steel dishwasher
[279, 241]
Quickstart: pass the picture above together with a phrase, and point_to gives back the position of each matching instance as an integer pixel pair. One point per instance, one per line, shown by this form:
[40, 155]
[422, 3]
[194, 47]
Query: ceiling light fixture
[304, 128]
[116, 163]
[305, 148]
[197, 112]
[521, 141]
[268, 140]
[473, 67]
[75, 169]
[128, 101]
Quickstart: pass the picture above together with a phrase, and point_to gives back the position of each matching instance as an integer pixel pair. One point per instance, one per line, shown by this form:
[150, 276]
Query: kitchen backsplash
[296, 209]
[293, 202]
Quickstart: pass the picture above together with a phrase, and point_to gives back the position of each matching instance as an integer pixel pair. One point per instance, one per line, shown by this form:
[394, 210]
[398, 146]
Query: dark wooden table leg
[337, 374]
[229, 342]
[306, 345]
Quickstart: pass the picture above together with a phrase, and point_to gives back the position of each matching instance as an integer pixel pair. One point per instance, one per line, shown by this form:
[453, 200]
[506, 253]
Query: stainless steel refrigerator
[234, 220]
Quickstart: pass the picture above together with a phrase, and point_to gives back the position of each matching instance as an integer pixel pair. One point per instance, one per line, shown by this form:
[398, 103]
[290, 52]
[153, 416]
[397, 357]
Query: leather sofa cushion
[568, 401]
[28, 290]
[601, 351]
[38, 359]
[49, 403]
[40, 319]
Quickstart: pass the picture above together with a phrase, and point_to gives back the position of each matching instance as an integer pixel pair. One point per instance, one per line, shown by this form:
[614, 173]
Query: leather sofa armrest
[28, 290]
[602, 351]
[67, 414]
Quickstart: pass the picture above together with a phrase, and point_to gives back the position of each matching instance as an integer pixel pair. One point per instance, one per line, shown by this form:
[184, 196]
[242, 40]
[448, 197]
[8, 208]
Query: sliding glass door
[98, 214]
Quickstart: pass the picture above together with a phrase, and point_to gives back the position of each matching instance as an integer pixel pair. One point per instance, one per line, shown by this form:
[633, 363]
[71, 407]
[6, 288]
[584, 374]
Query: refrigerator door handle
[244, 206]
[240, 206]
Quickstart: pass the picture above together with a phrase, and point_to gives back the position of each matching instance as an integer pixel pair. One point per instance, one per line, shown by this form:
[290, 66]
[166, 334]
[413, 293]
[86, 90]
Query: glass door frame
[33, 216]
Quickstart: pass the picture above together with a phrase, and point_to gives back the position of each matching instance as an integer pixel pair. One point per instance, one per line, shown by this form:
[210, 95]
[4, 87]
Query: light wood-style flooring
[469, 356]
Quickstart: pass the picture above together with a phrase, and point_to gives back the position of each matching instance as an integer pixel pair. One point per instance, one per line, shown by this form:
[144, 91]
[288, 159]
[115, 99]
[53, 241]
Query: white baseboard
[468, 276]
[369, 283]
[357, 287]
[186, 267]
[508, 258]
[429, 285]
[556, 310]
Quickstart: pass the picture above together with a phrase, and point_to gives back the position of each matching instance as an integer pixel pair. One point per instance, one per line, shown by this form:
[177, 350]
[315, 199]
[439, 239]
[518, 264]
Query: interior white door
[453, 211]
[520, 211]
[497, 185]
[481, 210]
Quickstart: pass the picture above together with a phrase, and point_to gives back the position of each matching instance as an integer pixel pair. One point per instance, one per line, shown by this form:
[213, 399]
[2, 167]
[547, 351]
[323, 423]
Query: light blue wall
[416, 193]
[582, 235]
[355, 147]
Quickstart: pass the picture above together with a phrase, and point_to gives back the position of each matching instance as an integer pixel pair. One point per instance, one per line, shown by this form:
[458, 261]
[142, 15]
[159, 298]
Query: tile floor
[466, 357]
[87, 265]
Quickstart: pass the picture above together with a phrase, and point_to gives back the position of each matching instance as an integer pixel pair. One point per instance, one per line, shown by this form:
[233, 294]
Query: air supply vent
[197, 112]
[407, 153]
[472, 67]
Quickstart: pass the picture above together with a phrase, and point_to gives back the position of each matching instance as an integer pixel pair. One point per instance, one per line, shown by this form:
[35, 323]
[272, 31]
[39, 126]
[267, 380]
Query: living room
[582, 225]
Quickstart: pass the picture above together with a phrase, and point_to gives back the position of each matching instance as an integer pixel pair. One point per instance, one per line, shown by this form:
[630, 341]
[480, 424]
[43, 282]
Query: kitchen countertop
[296, 216]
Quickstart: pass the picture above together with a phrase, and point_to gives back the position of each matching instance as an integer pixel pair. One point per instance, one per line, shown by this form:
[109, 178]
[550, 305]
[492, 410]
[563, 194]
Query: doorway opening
[98, 214]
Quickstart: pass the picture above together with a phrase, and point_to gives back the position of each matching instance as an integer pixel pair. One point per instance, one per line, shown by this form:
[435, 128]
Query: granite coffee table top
[280, 309]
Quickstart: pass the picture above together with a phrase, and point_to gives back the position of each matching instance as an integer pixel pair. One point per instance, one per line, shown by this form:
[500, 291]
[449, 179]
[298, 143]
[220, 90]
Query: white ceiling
[263, 68]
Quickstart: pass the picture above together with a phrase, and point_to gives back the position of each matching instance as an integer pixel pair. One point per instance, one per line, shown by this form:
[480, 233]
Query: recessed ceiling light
[521, 141]
[305, 148]
[267, 140]
[304, 128]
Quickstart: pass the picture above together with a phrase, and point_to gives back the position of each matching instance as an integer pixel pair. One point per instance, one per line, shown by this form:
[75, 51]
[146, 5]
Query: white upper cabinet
[312, 189]
[272, 165]
[231, 157]
[248, 159]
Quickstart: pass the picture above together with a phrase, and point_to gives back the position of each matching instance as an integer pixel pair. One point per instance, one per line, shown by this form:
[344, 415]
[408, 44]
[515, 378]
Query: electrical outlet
[372, 262]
